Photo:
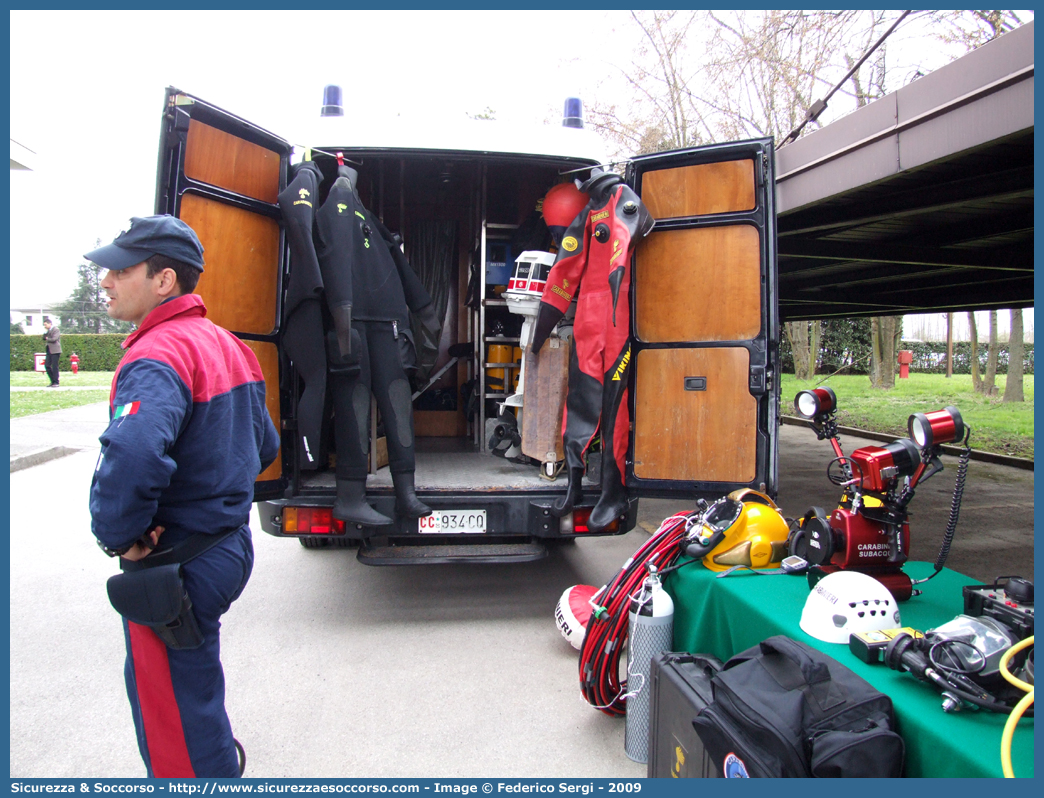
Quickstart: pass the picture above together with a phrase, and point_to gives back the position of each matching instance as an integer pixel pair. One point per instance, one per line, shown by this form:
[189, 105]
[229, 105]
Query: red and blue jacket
[188, 431]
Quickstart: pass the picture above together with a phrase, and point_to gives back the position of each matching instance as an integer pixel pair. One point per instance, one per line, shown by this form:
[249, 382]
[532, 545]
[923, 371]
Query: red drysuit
[594, 261]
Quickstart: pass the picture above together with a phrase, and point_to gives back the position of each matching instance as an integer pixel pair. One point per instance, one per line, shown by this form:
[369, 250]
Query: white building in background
[32, 319]
[22, 157]
[932, 326]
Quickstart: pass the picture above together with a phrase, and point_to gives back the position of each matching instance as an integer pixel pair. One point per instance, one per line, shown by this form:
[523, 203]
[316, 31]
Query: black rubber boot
[564, 506]
[612, 504]
[351, 504]
[407, 504]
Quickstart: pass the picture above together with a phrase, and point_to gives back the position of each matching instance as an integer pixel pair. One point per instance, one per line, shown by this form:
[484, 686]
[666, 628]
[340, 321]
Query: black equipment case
[784, 709]
[681, 687]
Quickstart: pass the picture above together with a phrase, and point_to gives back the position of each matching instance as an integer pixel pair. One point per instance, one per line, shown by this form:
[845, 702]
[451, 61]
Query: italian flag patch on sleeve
[126, 410]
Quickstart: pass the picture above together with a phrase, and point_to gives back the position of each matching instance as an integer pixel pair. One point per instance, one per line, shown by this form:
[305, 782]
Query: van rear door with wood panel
[222, 176]
[705, 386]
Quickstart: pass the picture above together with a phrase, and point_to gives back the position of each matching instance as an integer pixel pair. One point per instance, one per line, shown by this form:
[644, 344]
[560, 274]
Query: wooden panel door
[693, 414]
[700, 189]
[705, 324]
[222, 176]
[719, 303]
[241, 249]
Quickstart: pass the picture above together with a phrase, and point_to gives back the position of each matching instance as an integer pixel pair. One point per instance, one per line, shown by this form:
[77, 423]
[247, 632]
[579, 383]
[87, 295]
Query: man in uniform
[188, 435]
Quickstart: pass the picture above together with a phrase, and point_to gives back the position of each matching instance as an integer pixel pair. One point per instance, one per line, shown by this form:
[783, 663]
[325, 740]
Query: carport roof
[921, 201]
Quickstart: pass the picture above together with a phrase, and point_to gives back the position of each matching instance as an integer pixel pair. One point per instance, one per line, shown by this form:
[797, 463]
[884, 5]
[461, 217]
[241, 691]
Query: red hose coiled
[607, 630]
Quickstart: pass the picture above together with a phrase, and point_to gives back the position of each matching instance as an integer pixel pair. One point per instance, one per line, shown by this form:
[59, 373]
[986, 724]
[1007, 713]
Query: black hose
[847, 474]
[955, 510]
[991, 706]
[846, 465]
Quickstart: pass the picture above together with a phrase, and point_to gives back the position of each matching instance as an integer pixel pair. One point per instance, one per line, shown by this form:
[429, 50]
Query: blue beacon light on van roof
[574, 113]
[332, 101]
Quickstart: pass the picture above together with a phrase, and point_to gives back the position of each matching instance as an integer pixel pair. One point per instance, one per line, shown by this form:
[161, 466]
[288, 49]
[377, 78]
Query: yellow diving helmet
[743, 528]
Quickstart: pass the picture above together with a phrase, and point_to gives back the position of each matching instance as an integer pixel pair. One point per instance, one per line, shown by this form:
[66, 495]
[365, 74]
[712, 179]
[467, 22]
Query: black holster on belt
[150, 591]
[156, 597]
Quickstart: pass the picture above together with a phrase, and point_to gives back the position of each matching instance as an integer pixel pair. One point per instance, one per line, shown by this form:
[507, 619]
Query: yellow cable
[1011, 652]
[1020, 708]
[1009, 732]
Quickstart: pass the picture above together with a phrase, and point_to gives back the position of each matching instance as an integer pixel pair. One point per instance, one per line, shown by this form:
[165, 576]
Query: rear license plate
[453, 522]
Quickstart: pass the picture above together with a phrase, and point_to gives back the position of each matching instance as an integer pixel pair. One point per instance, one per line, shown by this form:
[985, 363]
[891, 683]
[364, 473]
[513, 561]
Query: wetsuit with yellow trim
[594, 264]
[302, 312]
[369, 290]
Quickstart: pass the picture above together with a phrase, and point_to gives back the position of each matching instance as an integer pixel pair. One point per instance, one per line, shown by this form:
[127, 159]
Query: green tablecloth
[725, 616]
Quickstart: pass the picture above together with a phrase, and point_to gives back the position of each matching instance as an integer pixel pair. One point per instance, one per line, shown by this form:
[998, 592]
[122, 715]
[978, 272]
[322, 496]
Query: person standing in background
[53, 338]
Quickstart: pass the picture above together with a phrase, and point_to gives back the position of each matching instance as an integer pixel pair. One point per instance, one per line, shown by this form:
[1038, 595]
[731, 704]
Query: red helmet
[562, 204]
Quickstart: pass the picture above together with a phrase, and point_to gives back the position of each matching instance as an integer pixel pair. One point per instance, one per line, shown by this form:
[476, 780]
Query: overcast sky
[87, 95]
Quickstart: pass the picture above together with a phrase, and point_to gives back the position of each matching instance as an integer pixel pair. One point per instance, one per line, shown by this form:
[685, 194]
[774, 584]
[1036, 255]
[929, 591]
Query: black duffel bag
[784, 709]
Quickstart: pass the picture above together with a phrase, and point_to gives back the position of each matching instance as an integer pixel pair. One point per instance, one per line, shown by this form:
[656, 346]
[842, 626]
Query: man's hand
[144, 547]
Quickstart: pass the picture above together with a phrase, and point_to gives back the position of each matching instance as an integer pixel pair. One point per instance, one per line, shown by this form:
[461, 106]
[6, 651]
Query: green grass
[1006, 428]
[33, 379]
[27, 403]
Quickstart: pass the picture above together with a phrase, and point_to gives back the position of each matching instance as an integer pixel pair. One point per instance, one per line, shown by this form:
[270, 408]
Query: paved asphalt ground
[338, 669]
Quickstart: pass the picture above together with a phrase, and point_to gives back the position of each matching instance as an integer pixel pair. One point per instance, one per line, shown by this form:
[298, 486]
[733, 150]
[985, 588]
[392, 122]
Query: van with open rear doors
[704, 382]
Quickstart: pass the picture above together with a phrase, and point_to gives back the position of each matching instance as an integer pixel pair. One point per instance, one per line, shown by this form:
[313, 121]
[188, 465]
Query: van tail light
[577, 522]
[580, 517]
[311, 521]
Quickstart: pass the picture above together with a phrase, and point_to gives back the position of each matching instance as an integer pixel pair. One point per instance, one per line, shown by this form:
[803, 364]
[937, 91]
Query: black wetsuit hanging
[369, 290]
[302, 311]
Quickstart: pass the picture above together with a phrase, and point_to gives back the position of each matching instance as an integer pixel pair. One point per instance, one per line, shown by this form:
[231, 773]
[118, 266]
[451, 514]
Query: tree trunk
[813, 345]
[897, 341]
[989, 383]
[883, 331]
[99, 300]
[1016, 351]
[976, 377]
[804, 347]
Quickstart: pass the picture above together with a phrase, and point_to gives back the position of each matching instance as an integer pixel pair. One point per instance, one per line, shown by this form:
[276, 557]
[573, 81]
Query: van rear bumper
[526, 514]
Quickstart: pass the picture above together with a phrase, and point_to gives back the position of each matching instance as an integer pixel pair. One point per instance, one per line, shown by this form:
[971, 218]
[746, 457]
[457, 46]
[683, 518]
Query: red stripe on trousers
[160, 716]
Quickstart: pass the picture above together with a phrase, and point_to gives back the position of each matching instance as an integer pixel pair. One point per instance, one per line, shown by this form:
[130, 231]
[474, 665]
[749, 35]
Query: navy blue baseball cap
[148, 236]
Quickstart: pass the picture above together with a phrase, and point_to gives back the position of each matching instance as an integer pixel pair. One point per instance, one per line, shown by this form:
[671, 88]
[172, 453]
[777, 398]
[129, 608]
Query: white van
[704, 387]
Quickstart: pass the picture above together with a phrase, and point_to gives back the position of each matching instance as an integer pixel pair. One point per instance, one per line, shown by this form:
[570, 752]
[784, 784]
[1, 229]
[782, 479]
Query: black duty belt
[182, 552]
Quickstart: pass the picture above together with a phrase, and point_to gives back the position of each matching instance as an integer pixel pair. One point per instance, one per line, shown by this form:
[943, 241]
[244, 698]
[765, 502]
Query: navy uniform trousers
[178, 696]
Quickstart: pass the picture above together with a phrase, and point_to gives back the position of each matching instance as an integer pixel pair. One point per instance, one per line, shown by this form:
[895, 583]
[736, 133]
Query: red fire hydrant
[905, 359]
[74, 362]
